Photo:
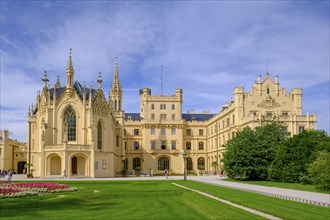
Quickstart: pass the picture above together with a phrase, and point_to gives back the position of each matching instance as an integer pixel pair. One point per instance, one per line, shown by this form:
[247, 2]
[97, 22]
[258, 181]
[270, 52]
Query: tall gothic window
[99, 135]
[163, 164]
[70, 120]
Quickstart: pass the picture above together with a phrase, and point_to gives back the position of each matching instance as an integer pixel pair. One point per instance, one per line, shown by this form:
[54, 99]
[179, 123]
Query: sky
[207, 48]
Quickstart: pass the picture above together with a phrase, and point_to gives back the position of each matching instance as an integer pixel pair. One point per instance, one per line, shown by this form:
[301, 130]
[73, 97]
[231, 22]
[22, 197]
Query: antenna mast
[161, 79]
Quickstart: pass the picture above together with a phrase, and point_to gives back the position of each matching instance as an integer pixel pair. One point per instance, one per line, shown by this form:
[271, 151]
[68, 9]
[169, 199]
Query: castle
[75, 128]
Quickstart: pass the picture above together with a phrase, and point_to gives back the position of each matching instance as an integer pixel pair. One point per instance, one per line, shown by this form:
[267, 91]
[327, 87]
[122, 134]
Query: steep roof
[78, 87]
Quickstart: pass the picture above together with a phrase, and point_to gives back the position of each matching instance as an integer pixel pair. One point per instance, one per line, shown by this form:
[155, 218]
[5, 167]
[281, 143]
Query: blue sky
[206, 47]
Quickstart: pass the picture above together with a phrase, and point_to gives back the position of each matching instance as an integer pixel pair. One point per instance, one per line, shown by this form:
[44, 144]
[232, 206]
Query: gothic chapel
[72, 128]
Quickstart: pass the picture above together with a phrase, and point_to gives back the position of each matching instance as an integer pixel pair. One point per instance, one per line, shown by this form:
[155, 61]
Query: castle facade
[74, 128]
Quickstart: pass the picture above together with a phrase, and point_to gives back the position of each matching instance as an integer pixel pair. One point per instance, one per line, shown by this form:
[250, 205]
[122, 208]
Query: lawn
[120, 200]
[151, 200]
[297, 186]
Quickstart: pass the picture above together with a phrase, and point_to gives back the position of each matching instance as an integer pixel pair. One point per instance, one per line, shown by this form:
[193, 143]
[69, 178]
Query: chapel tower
[115, 96]
[69, 72]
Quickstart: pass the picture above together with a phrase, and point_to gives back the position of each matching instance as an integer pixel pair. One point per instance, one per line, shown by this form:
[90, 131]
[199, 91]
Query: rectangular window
[173, 106]
[136, 145]
[163, 131]
[285, 114]
[96, 165]
[153, 131]
[201, 132]
[125, 145]
[269, 114]
[173, 131]
[173, 117]
[104, 164]
[173, 145]
[162, 106]
[188, 145]
[301, 129]
[163, 145]
[152, 116]
[152, 106]
[136, 132]
[153, 145]
[233, 119]
[163, 117]
[188, 132]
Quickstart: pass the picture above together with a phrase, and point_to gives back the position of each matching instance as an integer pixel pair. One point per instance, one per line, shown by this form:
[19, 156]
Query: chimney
[5, 134]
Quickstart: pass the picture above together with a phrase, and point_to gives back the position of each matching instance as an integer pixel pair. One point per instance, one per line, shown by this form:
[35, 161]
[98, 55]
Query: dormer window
[268, 91]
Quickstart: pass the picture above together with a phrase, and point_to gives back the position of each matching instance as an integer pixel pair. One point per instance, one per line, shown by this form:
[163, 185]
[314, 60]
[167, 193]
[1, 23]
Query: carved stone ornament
[269, 103]
[100, 105]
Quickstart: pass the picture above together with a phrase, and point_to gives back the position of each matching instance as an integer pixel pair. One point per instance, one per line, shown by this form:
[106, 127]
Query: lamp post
[184, 155]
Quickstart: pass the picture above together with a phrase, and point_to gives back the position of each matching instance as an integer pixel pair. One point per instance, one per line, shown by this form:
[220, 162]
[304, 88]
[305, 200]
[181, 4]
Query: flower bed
[14, 190]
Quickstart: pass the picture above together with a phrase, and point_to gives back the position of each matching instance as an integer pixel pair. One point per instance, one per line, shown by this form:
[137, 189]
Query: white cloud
[206, 48]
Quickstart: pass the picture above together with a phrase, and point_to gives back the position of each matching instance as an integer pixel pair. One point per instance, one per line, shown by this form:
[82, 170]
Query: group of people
[8, 173]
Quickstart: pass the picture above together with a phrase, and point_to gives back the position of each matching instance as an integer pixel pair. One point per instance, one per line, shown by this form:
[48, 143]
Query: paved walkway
[322, 199]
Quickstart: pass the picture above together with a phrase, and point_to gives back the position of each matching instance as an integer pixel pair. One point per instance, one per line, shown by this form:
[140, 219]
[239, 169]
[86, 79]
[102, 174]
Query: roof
[77, 86]
[197, 117]
[134, 116]
[186, 117]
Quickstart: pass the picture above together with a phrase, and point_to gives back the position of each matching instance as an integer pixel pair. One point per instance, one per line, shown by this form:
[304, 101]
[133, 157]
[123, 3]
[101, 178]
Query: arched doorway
[74, 165]
[78, 165]
[20, 167]
[55, 165]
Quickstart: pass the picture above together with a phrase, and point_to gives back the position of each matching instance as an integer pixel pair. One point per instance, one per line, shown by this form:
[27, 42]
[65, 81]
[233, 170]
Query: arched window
[201, 145]
[136, 163]
[99, 135]
[268, 91]
[189, 163]
[163, 163]
[201, 163]
[70, 121]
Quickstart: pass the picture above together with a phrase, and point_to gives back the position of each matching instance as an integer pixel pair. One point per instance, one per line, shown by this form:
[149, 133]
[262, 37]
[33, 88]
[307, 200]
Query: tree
[320, 170]
[250, 153]
[295, 155]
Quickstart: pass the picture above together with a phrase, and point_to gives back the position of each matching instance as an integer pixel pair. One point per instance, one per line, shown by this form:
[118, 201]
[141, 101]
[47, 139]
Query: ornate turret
[58, 83]
[115, 95]
[69, 72]
[99, 80]
[45, 79]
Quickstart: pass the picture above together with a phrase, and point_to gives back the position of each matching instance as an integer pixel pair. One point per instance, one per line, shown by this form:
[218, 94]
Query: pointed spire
[58, 83]
[116, 75]
[99, 80]
[70, 66]
[45, 80]
[69, 72]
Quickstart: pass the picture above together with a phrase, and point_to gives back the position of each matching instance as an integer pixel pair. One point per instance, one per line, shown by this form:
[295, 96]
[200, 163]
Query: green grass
[278, 207]
[151, 200]
[120, 200]
[297, 186]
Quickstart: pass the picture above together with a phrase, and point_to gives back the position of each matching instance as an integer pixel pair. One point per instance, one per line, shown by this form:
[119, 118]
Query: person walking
[9, 175]
[166, 173]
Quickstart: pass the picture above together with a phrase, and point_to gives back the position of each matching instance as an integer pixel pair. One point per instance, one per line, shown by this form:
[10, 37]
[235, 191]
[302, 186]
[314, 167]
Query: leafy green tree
[320, 170]
[250, 153]
[295, 154]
